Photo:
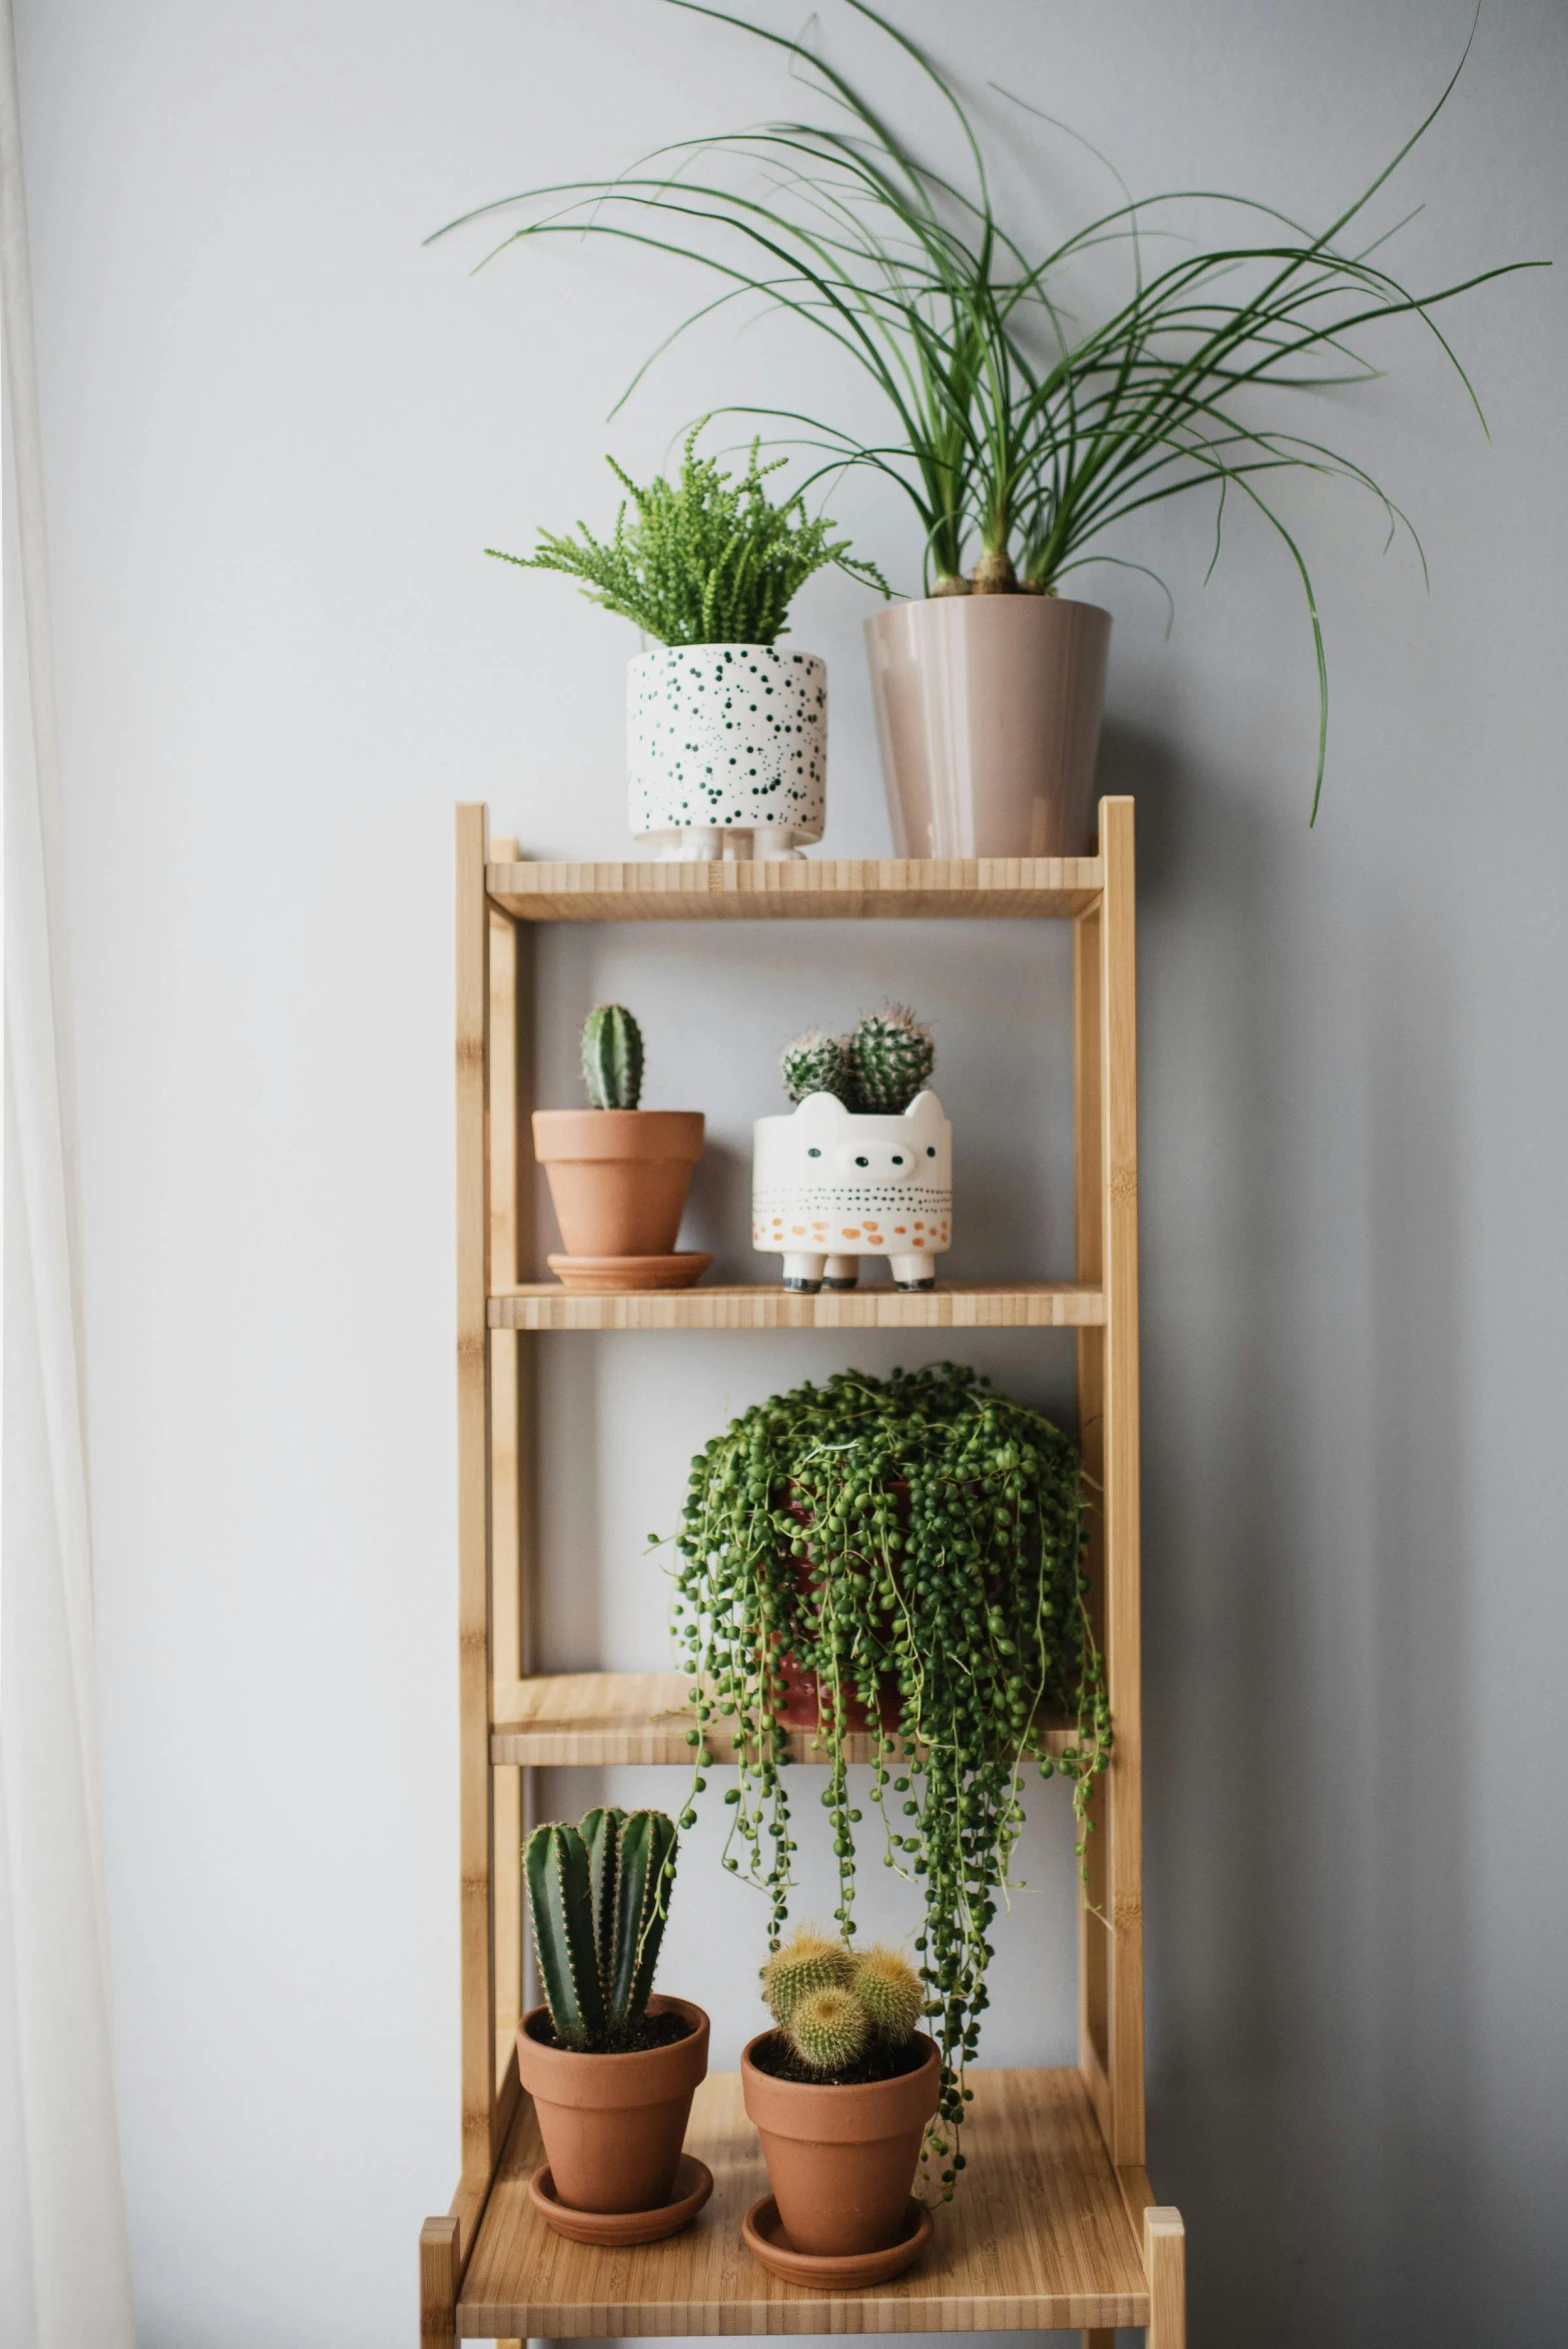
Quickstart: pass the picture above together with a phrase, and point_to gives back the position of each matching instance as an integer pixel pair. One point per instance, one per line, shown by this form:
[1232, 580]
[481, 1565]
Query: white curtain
[64, 2263]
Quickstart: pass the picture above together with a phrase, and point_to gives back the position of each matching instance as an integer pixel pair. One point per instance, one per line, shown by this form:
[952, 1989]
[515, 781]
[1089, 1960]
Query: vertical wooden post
[438, 2283]
[1094, 1947]
[506, 1498]
[1165, 2265]
[475, 1810]
[1122, 1808]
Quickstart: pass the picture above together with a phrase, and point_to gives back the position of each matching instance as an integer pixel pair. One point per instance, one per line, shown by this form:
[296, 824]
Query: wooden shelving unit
[1056, 2225]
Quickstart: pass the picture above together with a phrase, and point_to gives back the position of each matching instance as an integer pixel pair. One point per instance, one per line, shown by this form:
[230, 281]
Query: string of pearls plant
[916, 1543]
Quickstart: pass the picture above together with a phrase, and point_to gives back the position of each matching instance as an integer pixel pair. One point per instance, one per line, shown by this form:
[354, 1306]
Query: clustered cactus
[836, 2005]
[612, 1058]
[879, 1069]
[598, 1894]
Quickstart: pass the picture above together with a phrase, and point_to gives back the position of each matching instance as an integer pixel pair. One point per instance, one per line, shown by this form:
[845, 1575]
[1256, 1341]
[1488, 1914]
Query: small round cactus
[816, 1063]
[889, 1990]
[806, 1964]
[891, 1058]
[828, 2030]
[612, 1058]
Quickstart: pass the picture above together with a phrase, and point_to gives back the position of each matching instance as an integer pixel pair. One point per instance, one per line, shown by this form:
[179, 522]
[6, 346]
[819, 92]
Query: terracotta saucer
[851, 2271]
[618, 2229]
[596, 1276]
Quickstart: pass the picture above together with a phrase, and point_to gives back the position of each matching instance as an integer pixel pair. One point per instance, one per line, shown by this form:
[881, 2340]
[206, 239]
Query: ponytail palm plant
[1019, 436]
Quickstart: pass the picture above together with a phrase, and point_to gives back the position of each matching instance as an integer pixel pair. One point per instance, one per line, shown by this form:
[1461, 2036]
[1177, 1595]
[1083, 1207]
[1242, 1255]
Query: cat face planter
[829, 1188]
[726, 748]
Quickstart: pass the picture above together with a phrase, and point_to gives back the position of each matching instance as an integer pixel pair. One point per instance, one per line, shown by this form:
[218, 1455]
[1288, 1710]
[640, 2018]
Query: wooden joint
[1123, 1184]
[1127, 1912]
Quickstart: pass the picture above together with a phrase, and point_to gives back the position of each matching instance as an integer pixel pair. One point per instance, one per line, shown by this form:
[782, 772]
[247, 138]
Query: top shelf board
[801, 889]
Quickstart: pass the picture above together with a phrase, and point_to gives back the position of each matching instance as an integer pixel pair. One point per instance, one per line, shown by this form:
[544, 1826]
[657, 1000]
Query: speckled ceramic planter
[830, 1188]
[727, 749]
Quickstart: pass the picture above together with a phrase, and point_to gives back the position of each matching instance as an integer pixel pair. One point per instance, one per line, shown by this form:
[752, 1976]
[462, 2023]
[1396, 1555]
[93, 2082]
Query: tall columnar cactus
[891, 1057]
[598, 1895]
[816, 1063]
[612, 1058]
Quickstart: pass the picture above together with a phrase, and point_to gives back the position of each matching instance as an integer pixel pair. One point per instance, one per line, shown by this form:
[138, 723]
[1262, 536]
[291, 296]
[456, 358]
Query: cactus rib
[561, 1902]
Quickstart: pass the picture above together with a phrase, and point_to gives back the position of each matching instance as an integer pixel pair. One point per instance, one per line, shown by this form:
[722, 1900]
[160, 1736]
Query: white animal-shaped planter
[830, 1188]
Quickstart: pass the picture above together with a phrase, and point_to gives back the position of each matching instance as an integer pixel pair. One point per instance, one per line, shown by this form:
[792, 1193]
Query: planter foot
[841, 1272]
[911, 1272]
[803, 1274]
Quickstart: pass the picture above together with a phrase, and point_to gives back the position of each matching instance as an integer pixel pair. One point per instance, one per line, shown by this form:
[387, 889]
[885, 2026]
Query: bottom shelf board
[1037, 2238]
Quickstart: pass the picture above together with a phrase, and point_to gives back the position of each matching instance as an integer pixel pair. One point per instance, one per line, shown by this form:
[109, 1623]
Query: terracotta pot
[841, 2161]
[618, 1177]
[613, 2125]
[988, 713]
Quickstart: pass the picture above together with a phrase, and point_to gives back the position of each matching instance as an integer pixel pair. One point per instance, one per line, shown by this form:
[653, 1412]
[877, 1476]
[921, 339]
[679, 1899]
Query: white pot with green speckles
[726, 748]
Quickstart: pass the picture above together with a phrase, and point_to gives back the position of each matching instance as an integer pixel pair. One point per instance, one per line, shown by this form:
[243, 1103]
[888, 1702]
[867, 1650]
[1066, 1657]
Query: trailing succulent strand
[702, 560]
[878, 1069]
[612, 1058]
[598, 1895]
[920, 1537]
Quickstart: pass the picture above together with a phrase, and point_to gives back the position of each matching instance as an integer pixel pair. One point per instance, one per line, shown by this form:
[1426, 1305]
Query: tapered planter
[618, 1177]
[613, 2125]
[988, 713]
[726, 748]
[841, 2161]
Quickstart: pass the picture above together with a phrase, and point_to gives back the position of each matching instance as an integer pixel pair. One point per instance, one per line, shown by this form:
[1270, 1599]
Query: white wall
[279, 431]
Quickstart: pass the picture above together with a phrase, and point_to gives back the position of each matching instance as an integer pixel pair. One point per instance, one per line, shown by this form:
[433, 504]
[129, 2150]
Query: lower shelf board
[1037, 2238]
[545, 1305]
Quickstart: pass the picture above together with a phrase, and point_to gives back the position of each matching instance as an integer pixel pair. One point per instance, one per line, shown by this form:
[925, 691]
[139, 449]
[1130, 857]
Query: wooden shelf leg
[1093, 2338]
[437, 2283]
[1165, 2265]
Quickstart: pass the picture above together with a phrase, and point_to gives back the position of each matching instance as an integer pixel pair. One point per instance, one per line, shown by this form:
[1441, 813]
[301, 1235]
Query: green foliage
[1015, 428]
[705, 561]
[828, 2030]
[891, 1057]
[598, 1895]
[808, 1962]
[879, 1069]
[816, 1063]
[922, 1535]
[612, 1058]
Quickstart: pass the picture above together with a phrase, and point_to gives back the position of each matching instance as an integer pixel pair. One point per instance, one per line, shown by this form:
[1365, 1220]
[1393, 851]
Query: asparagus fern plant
[702, 560]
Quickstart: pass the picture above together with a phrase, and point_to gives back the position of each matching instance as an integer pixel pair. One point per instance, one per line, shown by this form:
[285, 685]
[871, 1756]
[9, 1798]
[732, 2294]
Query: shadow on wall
[1303, 1524]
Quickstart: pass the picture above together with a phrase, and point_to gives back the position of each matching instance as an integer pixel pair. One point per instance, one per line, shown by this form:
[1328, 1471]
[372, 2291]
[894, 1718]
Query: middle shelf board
[545, 1305]
[567, 1719]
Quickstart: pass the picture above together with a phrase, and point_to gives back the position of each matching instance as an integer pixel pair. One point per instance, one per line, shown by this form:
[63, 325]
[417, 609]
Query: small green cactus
[889, 1990]
[805, 1964]
[834, 2004]
[612, 1058]
[598, 1895]
[816, 1063]
[891, 1057]
[828, 2030]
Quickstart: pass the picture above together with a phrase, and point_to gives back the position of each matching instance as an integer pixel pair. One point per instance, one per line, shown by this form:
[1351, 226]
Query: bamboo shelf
[562, 1720]
[544, 1305]
[1043, 2235]
[1055, 2224]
